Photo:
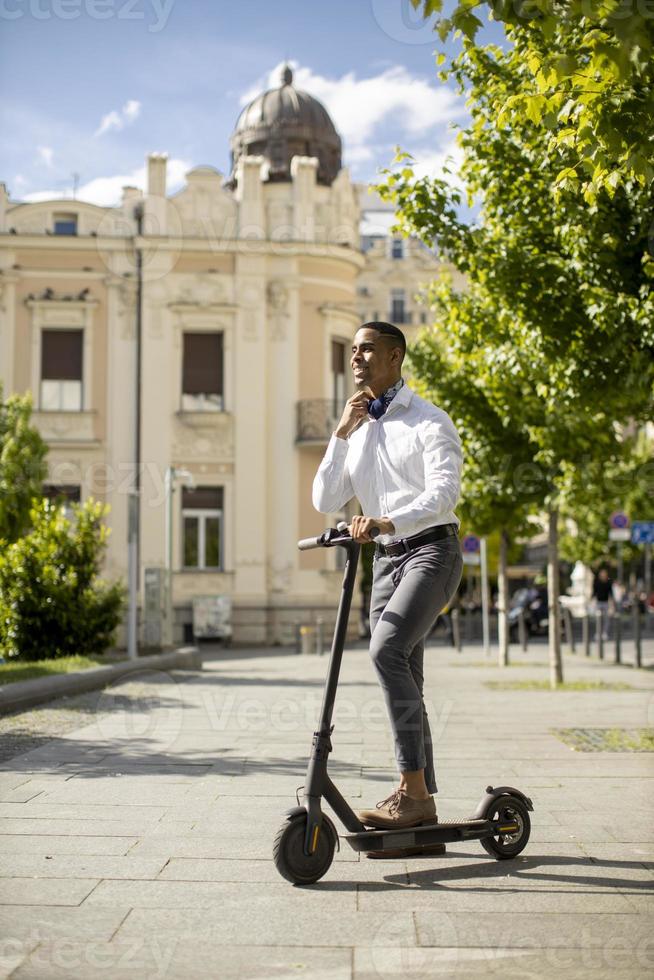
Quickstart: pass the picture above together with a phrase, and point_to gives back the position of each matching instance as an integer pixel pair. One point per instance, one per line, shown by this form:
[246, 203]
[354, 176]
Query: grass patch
[13, 671]
[538, 685]
[607, 739]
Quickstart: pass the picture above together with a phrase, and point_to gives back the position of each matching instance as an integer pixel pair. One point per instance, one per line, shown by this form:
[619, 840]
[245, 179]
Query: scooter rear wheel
[512, 810]
[288, 850]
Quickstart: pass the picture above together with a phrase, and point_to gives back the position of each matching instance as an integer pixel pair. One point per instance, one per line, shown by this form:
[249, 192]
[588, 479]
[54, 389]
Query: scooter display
[305, 843]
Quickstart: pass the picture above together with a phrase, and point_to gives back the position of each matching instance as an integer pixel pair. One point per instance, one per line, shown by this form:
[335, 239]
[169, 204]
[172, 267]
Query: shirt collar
[402, 396]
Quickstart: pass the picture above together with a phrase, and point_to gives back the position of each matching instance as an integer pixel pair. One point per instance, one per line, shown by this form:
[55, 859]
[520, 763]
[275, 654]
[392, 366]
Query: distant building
[251, 292]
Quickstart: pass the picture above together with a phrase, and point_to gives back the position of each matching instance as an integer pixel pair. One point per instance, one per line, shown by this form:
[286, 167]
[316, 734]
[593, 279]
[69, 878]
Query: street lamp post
[172, 474]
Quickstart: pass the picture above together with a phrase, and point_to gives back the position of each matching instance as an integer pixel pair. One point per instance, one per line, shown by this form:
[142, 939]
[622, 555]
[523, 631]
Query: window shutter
[202, 372]
[61, 355]
[202, 498]
[338, 357]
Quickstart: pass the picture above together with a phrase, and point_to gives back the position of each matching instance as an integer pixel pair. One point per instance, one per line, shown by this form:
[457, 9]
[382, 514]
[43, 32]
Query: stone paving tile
[295, 922]
[349, 871]
[77, 828]
[553, 930]
[470, 963]
[24, 923]
[81, 811]
[475, 899]
[12, 954]
[45, 844]
[46, 891]
[253, 898]
[160, 958]
[79, 866]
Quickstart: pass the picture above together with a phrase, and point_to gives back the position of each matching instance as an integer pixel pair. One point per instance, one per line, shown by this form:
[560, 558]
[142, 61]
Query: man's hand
[361, 527]
[356, 409]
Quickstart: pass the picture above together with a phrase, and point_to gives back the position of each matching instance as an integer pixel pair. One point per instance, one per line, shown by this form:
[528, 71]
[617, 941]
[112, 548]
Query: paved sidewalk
[140, 843]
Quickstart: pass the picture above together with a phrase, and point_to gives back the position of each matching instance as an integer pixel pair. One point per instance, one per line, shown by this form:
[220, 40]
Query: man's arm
[332, 487]
[442, 460]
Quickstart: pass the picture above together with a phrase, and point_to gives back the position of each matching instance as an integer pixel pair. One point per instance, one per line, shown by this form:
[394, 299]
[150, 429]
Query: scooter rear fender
[493, 793]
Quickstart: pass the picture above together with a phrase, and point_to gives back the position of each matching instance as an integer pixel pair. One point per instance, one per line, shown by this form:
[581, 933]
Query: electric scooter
[304, 846]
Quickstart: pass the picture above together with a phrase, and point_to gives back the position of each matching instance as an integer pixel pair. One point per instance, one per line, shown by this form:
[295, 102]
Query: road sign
[471, 558]
[642, 532]
[619, 534]
[470, 544]
[619, 519]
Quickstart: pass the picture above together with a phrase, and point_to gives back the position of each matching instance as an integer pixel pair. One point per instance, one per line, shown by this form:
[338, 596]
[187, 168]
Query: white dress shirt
[405, 466]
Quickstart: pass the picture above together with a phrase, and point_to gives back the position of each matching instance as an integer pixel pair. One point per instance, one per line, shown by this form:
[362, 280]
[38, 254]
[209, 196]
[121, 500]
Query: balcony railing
[316, 419]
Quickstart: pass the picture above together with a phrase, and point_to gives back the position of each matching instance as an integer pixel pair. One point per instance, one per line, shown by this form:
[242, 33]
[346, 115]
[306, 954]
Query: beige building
[205, 332]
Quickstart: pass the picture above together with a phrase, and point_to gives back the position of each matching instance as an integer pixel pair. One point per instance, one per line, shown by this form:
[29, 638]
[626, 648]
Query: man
[603, 595]
[401, 457]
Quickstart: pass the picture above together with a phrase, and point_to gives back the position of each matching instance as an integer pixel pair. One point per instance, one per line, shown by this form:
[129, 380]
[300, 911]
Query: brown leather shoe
[429, 850]
[400, 810]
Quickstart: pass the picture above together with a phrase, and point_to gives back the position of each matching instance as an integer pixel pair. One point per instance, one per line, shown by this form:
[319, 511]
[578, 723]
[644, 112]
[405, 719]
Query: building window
[338, 375]
[61, 370]
[397, 248]
[202, 528]
[202, 372]
[64, 495]
[65, 224]
[398, 306]
[423, 316]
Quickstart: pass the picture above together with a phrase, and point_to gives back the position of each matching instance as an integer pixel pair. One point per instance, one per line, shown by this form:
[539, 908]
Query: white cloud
[359, 106]
[107, 191]
[430, 162]
[131, 109]
[46, 154]
[117, 120]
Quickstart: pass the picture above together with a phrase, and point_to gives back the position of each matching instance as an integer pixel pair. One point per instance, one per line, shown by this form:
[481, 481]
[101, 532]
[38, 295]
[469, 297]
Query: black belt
[404, 545]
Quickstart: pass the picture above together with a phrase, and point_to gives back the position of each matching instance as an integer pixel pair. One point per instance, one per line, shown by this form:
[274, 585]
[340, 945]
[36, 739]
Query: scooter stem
[340, 632]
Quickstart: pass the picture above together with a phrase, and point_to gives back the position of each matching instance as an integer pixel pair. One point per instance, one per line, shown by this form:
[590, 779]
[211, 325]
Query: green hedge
[52, 600]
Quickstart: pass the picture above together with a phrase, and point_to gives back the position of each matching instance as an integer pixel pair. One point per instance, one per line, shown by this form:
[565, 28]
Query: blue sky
[91, 86]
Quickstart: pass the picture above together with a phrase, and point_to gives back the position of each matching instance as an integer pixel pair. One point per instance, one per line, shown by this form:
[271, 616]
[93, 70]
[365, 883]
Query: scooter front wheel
[512, 811]
[288, 850]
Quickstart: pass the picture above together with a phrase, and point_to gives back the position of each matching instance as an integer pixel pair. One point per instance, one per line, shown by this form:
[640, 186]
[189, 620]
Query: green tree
[52, 601]
[556, 326]
[497, 492]
[586, 77]
[22, 465]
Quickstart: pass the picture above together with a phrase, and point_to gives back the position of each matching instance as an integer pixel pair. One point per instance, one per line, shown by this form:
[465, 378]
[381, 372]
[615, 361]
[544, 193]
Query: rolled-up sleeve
[442, 461]
[332, 487]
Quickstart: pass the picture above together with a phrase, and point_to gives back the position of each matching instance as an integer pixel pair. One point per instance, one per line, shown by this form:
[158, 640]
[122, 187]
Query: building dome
[285, 122]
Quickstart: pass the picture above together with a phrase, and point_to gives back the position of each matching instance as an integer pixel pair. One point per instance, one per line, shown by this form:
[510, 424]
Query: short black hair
[387, 330]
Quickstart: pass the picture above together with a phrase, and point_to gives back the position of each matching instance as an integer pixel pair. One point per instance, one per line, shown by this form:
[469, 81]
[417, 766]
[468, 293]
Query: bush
[52, 601]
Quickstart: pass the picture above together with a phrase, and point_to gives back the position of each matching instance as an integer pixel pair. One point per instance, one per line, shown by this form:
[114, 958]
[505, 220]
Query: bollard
[585, 634]
[618, 637]
[569, 630]
[456, 630]
[320, 636]
[298, 638]
[599, 636]
[468, 627]
[638, 653]
[522, 631]
[306, 636]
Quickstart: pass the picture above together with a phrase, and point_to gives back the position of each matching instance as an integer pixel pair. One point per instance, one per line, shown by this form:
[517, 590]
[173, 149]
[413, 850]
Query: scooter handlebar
[330, 537]
[307, 543]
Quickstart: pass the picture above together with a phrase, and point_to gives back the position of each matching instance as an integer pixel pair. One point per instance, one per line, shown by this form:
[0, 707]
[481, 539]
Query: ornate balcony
[316, 420]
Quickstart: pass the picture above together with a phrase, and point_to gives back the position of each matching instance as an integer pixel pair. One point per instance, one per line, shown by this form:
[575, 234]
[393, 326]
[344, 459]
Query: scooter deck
[443, 832]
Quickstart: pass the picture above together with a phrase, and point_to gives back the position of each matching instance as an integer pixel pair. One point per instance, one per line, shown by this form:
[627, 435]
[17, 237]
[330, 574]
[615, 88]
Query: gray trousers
[408, 593]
